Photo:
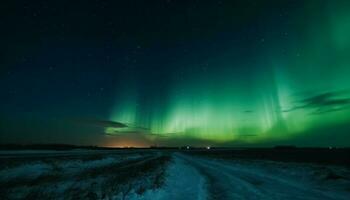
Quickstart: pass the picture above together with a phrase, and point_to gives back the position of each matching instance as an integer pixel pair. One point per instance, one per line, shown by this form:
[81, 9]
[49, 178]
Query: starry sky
[170, 72]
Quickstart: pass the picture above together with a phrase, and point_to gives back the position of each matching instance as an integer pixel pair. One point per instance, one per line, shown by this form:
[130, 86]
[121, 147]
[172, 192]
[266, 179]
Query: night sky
[172, 72]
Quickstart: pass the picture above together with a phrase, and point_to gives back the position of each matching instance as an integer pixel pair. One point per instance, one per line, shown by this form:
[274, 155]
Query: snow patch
[182, 182]
[26, 171]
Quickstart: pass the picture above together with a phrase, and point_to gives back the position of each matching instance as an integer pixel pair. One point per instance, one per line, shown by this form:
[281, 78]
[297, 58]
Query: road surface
[229, 180]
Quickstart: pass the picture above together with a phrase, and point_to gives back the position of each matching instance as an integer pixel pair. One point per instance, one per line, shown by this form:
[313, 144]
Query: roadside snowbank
[182, 182]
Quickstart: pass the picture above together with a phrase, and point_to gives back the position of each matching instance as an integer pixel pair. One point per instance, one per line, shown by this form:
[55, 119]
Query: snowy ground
[248, 179]
[164, 175]
[85, 175]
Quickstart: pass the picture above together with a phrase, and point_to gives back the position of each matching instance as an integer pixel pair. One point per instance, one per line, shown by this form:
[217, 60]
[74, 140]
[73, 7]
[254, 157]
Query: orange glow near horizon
[125, 143]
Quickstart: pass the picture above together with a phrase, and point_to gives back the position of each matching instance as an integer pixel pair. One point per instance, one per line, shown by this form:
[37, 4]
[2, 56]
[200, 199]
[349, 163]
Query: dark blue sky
[172, 67]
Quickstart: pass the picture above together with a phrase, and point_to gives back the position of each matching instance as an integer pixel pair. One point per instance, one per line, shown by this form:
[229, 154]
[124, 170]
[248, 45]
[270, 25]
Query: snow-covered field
[80, 175]
[163, 175]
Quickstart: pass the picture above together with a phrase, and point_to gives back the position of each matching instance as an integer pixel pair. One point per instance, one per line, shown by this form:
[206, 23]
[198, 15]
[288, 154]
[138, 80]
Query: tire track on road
[226, 181]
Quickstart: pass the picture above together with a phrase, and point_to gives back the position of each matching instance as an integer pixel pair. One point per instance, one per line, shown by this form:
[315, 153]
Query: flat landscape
[171, 174]
[175, 100]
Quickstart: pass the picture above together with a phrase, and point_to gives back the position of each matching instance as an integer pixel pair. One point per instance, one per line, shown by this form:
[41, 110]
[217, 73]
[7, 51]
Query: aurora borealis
[221, 73]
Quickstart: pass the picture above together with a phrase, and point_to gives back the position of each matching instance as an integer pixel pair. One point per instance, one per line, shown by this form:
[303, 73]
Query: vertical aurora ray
[221, 73]
[292, 88]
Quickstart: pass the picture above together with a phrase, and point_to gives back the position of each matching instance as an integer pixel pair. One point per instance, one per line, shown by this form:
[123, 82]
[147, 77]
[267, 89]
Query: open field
[172, 174]
[80, 174]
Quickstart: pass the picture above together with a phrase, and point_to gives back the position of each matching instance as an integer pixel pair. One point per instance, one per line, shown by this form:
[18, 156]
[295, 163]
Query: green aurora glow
[288, 89]
[134, 73]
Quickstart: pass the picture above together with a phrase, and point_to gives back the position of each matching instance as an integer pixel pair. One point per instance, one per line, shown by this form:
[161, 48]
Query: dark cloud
[103, 123]
[112, 124]
[129, 131]
[324, 102]
[134, 131]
